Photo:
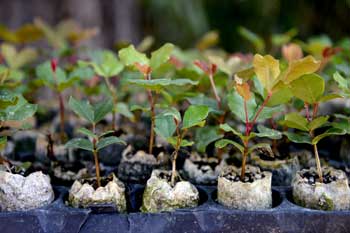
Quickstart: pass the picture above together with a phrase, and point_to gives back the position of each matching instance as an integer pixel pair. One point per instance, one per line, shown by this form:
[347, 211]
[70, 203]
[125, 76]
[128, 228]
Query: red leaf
[54, 62]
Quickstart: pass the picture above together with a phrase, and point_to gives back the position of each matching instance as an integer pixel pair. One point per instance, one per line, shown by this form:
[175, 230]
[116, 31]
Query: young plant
[272, 86]
[310, 89]
[14, 109]
[131, 57]
[173, 128]
[243, 104]
[12, 74]
[93, 114]
[58, 80]
[106, 65]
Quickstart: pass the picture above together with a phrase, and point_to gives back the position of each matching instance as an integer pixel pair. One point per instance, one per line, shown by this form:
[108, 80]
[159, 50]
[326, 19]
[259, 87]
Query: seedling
[106, 65]
[310, 89]
[57, 80]
[273, 87]
[93, 114]
[170, 122]
[13, 110]
[131, 57]
[12, 73]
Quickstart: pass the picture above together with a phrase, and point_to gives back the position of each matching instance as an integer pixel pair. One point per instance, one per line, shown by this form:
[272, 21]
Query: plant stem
[318, 163]
[261, 108]
[153, 115]
[61, 107]
[175, 154]
[307, 112]
[62, 132]
[244, 160]
[317, 157]
[97, 166]
[249, 127]
[217, 97]
[50, 151]
[115, 101]
[95, 153]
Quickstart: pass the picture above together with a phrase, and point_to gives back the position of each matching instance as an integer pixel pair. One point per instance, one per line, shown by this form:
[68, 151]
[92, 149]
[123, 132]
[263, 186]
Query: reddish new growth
[327, 54]
[54, 64]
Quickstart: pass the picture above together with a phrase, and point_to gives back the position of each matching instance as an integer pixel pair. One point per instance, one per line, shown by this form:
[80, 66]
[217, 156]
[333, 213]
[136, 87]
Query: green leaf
[201, 99]
[318, 122]
[298, 137]
[101, 109]
[108, 141]
[267, 70]
[328, 97]
[268, 112]
[225, 127]
[7, 99]
[343, 124]
[129, 56]
[224, 142]
[123, 109]
[343, 83]
[269, 133]
[236, 105]
[159, 84]
[19, 112]
[308, 88]
[296, 121]
[195, 115]
[161, 56]
[300, 67]
[82, 109]
[184, 142]
[81, 73]
[80, 143]
[172, 112]
[105, 64]
[87, 132]
[329, 132]
[258, 146]
[205, 136]
[165, 126]
[281, 95]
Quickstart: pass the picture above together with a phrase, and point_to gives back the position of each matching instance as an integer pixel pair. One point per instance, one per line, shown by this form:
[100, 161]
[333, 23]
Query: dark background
[184, 21]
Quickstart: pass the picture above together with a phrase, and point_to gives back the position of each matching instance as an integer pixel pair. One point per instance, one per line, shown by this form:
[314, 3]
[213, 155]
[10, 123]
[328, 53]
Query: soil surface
[93, 181]
[311, 178]
[248, 178]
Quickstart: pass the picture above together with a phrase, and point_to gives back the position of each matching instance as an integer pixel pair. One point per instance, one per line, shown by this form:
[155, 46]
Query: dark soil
[202, 165]
[93, 181]
[313, 177]
[167, 176]
[248, 178]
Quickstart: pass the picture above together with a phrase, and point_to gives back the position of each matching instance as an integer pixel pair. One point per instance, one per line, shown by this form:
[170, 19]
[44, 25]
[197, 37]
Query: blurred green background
[184, 21]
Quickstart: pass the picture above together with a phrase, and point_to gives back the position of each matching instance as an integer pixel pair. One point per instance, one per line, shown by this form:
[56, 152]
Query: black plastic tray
[209, 216]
